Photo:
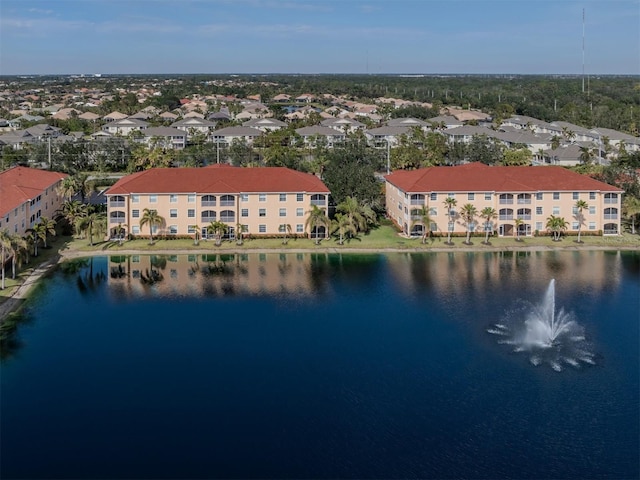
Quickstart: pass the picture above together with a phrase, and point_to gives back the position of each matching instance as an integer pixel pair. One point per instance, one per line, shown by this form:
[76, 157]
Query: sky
[314, 36]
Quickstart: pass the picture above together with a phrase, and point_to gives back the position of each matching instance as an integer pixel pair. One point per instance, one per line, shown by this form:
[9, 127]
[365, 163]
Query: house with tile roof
[164, 137]
[530, 194]
[257, 199]
[125, 126]
[317, 134]
[26, 194]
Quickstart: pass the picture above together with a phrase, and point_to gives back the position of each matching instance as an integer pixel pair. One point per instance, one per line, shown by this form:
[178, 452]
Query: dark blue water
[319, 366]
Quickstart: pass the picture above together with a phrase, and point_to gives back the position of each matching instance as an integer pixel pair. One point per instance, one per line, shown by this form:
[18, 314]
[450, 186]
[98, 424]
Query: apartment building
[26, 194]
[530, 194]
[189, 199]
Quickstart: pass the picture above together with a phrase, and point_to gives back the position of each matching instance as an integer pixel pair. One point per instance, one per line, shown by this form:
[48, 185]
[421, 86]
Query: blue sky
[313, 36]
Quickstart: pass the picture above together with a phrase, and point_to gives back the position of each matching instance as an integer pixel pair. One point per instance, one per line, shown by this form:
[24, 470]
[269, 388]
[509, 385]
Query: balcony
[116, 203]
[208, 203]
[506, 217]
[506, 201]
[320, 202]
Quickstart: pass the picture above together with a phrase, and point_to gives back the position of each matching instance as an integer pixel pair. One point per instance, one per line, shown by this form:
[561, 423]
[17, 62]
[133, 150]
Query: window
[262, 229]
[154, 229]
[173, 229]
[433, 196]
[191, 213]
[299, 212]
[135, 198]
[208, 201]
[592, 210]
[227, 201]
[228, 216]
[575, 196]
[283, 197]
[574, 210]
[451, 195]
[575, 226]
[191, 198]
[399, 206]
[487, 196]
[208, 216]
[135, 230]
[506, 199]
[153, 198]
[191, 229]
[244, 212]
[262, 197]
[173, 198]
[524, 198]
[538, 210]
[244, 197]
[538, 225]
[318, 199]
[610, 198]
[262, 212]
[433, 211]
[282, 212]
[539, 196]
[592, 225]
[299, 197]
[135, 213]
[610, 213]
[556, 195]
[592, 195]
[173, 213]
[471, 196]
[556, 211]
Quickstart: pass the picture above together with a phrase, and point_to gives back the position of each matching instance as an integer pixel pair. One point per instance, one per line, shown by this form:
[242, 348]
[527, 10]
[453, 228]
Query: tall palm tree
[631, 209]
[489, 214]
[71, 211]
[239, 234]
[285, 229]
[316, 218]
[556, 225]
[47, 227]
[353, 210]
[580, 206]
[218, 229]
[343, 225]
[5, 249]
[517, 222]
[18, 247]
[196, 234]
[449, 204]
[424, 219]
[152, 218]
[586, 155]
[68, 187]
[468, 213]
[94, 223]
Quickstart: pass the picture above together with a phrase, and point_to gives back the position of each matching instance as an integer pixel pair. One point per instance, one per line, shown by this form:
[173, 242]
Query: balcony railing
[610, 216]
[227, 218]
[524, 217]
[417, 201]
[208, 203]
[506, 217]
[611, 200]
[322, 202]
[116, 220]
[506, 201]
[116, 204]
[524, 201]
[227, 203]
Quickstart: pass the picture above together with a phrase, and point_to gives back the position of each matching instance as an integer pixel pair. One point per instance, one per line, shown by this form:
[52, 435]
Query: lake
[324, 366]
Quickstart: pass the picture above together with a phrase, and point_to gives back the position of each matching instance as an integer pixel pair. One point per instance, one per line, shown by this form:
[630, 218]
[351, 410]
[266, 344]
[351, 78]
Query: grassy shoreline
[384, 239]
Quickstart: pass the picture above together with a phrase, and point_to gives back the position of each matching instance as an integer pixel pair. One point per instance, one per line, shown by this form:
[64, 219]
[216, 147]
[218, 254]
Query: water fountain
[550, 337]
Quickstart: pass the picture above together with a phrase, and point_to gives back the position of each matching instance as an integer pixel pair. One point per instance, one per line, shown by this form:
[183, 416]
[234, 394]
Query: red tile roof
[20, 184]
[218, 179]
[478, 177]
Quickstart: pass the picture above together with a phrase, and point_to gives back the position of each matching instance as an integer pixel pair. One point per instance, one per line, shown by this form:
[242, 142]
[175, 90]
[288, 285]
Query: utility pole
[388, 157]
[49, 151]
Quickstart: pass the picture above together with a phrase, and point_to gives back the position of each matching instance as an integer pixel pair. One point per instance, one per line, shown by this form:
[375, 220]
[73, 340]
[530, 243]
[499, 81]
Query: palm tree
[449, 205]
[580, 206]
[424, 219]
[489, 214]
[18, 246]
[586, 154]
[468, 213]
[343, 225]
[47, 227]
[556, 225]
[151, 218]
[71, 211]
[94, 223]
[5, 249]
[631, 209]
[517, 223]
[316, 218]
[31, 236]
[353, 210]
[196, 234]
[239, 232]
[218, 229]
[285, 229]
[68, 187]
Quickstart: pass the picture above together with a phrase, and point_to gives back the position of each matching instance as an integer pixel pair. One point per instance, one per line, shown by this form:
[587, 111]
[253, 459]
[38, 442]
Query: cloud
[40, 11]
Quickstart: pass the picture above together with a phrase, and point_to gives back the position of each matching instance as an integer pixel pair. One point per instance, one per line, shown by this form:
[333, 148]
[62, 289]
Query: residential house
[164, 137]
[114, 117]
[259, 200]
[265, 124]
[530, 194]
[317, 134]
[26, 194]
[225, 136]
[195, 125]
[125, 126]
